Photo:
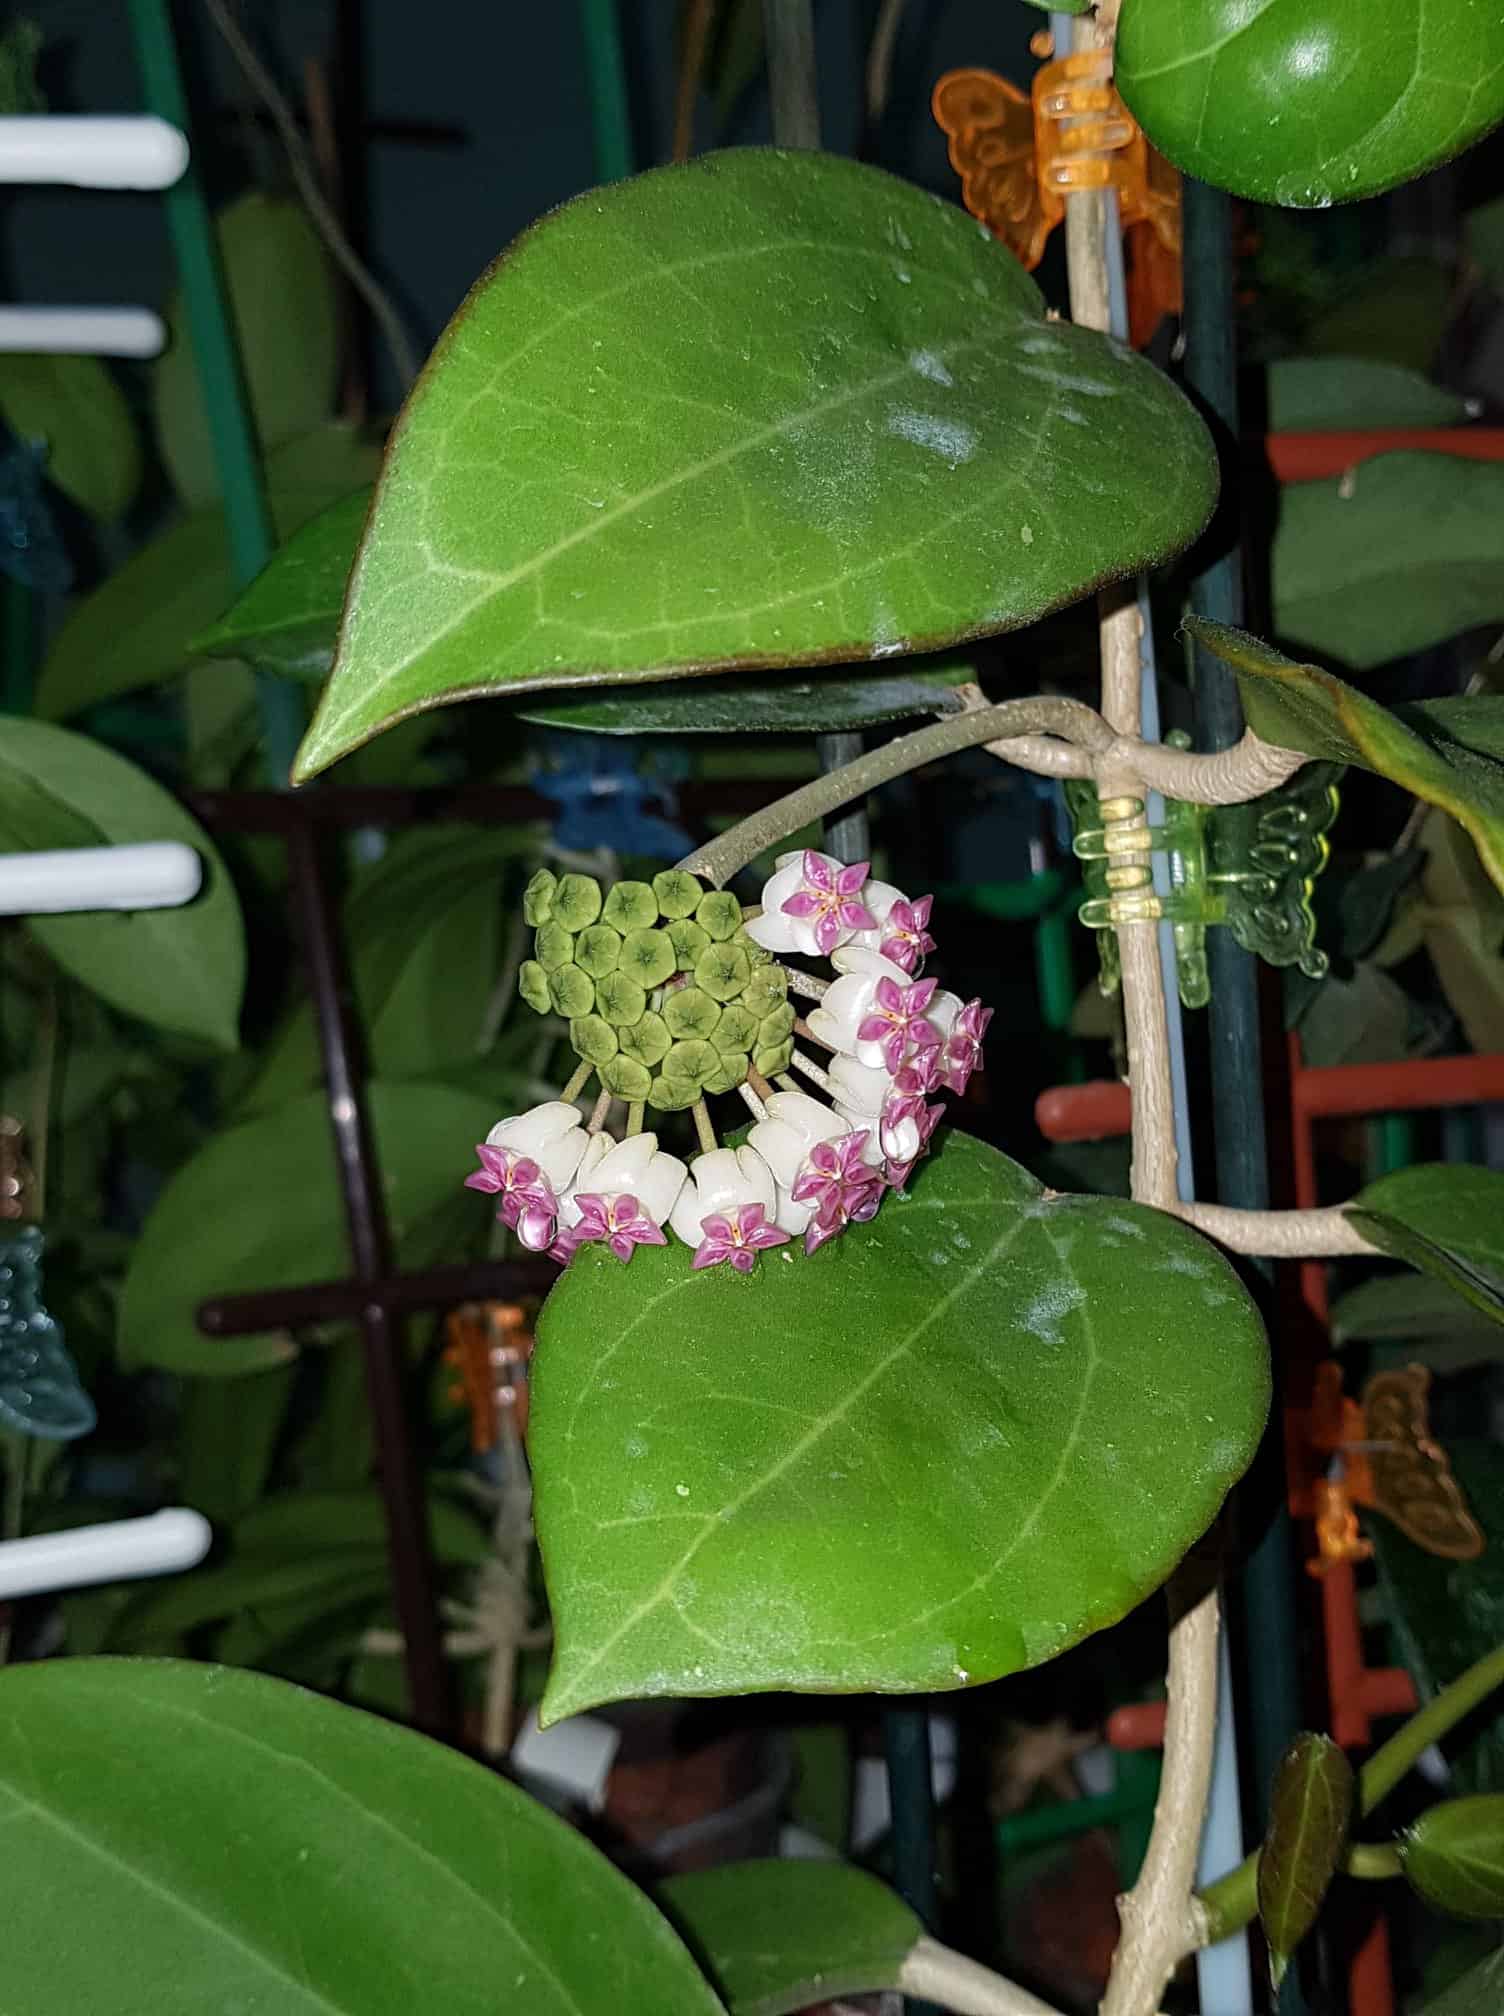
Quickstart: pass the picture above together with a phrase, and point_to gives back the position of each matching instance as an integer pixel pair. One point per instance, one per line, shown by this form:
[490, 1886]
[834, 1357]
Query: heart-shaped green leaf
[134, 629]
[259, 1207]
[1399, 554]
[765, 409]
[945, 1447]
[1419, 1310]
[1449, 752]
[180, 969]
[1478, 1992]
[780, 1936]
[230, 1841]
[1448, 1220]
[76, 407]
[811, 703]
[1454, 1856]
[1310, 1811]
[287, 618]
[1311, 105]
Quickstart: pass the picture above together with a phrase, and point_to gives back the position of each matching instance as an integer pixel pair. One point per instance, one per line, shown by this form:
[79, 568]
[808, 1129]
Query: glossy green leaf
[780, 1936]
[283, 304]
[738, 1491]
[1479, 1992]
[75, 406]
[807, 704]
[287, 618]
[1312, 394]
[181, 969]
[162, 1613]
[1417, 1309]
[1446, 751]
[1316, 105]
[304, 1522]
[134, 629]
[1448, 1220]
[230, 1841]
[259, 1207]
[1310, 1812]
[1399, 554]
[424, 929]
[764, 409]
[1454, 1856]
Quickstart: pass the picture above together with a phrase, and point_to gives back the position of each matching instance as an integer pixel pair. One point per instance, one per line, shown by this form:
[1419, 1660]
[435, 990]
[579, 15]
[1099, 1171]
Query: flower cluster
[667, 998]
[808, 1169]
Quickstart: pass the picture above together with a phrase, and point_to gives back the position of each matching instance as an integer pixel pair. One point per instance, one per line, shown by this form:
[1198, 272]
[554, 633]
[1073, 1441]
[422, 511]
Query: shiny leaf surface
[1399, 554]
[1309, 394]
[1310, 1811]
[945, 1447]
[287, 618]
[1445, 1218]
[764, 409]
[1313, 105]
[230, 1841]
[799, 704]
[1454, 1856]
[775, 1937]
[1479, 1992]
[1449, 752]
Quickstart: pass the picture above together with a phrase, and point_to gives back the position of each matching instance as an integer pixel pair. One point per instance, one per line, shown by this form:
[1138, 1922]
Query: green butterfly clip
[1251, 867]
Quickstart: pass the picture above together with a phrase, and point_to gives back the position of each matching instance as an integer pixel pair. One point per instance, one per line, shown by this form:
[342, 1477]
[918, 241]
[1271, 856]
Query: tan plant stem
[933, 1973]
[730, 852]
[598, 1114]
[1277, 1235]
[759, 1087]
[634, 1118]
[752, 1102]
[811, 1070]
[580, 1079]
[808, 984]
[700, 1113]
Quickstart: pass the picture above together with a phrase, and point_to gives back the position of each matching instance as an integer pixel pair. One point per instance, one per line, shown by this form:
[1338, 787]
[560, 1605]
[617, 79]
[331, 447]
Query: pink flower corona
[905, 938]
[842, 1187]
[897, 1022]
[738, 1236]
[962, 1053]
[831, 900]
[528, 1204]
[620, 1221]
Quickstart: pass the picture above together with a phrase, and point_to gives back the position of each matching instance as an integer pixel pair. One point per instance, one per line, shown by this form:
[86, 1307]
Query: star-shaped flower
[828, 898]
[620, 1221]
[842, 1187]
[528, 1203]
[962, 1051]
[738, 1236]
[905, 939]
[897, 1021]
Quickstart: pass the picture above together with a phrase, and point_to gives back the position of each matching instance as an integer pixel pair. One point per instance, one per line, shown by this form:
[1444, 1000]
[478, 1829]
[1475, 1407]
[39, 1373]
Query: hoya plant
[830, 1395]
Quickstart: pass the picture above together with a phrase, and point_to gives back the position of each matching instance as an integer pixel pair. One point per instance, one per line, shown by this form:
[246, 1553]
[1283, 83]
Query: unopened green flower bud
[620, 999]
[647, 1040]
[688, 941]
[719, 914]
[649, 957]
[775, 1057]
[689, 1012]
[597, 950]
[735, 1030]
[626, 1077]
[538, 897]
[554, 947]
[776, 1024]
[593, 1038]
[672, 1095]
[722, 971]
[729, 1073]
[692, 1061]
[571, 992]
[577, 901]
[630, 906]
[532, 985]
[678, 892]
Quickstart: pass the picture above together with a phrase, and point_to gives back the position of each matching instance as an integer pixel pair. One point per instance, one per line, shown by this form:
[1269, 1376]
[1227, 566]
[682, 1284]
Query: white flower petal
[858, 958]
[724, 1180]
[774, 932]
[865, 1123]
[550, 1134]
[857, 1087]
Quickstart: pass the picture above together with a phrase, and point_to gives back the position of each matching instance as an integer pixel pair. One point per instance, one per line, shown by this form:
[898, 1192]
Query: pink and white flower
[796, 1124]
[528, 1204]
[720, 1183]
[619, 1221]
[840, 1187]
[904, 937]
[738, 1236]
[550, 1135]
[896, 1022]
[636, 1167]
[811, 904]
[961, 1053]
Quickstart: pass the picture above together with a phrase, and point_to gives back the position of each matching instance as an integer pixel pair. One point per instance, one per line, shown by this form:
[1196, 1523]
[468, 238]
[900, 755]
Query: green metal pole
[608, 90]
[221, 375]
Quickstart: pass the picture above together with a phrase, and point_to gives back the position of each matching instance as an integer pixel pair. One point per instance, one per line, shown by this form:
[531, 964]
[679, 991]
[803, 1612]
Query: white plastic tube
[86, 332]
[92, 152]
[155, 875]
[160, 1544]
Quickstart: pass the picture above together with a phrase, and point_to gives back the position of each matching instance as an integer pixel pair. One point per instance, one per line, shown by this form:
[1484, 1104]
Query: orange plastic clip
[1337, 1535]
[488, 1350]
[1020, 157]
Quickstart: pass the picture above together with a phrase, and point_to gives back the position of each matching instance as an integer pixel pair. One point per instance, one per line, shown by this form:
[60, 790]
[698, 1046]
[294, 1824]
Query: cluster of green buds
[666, 996]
